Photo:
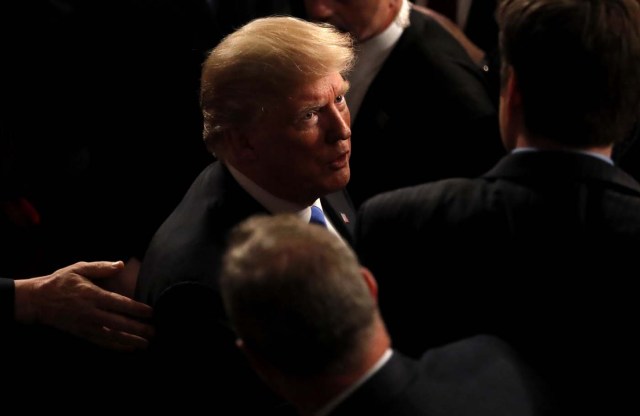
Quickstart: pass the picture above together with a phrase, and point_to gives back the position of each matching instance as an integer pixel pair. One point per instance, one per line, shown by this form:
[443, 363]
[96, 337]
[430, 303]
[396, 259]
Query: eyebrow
[343, 90]
[346, 85]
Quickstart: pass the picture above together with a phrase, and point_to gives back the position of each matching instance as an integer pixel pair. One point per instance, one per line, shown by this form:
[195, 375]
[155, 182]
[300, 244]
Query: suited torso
[179, 278]
[190, 243]
[475, 376]
[452, 131]
[540, 251]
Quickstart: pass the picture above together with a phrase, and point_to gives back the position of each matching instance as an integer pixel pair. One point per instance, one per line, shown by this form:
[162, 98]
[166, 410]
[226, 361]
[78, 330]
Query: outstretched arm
[69, 300]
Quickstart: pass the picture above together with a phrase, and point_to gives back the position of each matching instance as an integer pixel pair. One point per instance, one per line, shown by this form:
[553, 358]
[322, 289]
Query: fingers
[113, 339]
[96, 269]
[112, 330]
[124, 324]
[123, 305]
[114, 321]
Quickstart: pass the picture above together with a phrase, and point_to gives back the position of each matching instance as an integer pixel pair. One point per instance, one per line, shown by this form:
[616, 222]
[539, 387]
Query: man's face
[362, 18]
[303, 145]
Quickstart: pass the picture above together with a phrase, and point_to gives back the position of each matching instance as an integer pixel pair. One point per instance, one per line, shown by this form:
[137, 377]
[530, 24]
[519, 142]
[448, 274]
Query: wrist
[25, 305]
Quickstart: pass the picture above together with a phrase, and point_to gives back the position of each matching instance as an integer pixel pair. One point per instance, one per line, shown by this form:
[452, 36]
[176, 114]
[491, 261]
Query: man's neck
[319, 396]
[546, 144]
[268, 199]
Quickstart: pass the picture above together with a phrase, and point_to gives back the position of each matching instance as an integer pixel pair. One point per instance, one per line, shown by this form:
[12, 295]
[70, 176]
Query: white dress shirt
[272, 203]
[328, 408]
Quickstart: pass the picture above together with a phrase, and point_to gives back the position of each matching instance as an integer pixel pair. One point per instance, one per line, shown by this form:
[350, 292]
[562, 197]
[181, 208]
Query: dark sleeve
[7, 301]
[491, 72]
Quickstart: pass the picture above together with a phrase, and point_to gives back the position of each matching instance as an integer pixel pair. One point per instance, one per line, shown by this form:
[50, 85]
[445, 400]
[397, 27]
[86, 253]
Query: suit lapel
[237, 205]
[338, 207]
[385, 387]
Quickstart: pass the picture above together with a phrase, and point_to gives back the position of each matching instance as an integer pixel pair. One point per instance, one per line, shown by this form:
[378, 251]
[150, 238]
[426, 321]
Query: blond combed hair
[260, 64]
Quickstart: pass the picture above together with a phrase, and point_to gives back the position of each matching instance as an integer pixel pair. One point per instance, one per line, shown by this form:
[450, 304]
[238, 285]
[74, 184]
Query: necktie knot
[317, 216]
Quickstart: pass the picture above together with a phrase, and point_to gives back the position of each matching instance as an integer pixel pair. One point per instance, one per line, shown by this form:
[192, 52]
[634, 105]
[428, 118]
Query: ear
[394, 4]
[241, 145]
[267, 372]
[256, 361]
[510, 109]
[370, 281]
[511, 92]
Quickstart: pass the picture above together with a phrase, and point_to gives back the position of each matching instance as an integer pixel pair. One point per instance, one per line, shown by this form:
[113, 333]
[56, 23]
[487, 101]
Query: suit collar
[339, 208]
[556, 165]
[265, 198]
[381, 390]
[238, 204]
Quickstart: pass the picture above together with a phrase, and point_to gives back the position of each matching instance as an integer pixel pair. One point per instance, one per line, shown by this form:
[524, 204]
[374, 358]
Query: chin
[340, 181]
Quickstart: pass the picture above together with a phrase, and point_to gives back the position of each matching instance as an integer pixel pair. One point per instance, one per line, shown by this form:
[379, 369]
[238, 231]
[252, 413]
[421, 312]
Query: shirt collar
[378, 47]
[583, 152]
[328, 408]
[272, 203]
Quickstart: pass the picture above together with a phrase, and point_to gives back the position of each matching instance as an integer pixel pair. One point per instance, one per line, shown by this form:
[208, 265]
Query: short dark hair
[577, 66]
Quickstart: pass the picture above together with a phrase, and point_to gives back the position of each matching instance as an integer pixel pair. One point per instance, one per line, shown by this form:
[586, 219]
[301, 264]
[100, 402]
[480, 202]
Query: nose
[339, 125]
[320, 10]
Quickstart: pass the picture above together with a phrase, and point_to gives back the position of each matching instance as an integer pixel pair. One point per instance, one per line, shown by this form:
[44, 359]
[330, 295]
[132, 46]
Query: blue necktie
[317, 217]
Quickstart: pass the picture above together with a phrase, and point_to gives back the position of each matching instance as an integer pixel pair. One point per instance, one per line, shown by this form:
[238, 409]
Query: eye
[340, 99]
[307, 118]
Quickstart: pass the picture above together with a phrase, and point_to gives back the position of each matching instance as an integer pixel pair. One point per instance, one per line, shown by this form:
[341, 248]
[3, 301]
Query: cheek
[299, 152]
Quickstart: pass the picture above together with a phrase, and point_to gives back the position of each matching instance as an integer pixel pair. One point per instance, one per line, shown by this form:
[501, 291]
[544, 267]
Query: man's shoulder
[473, 351]
[431, 194]
[478, 367]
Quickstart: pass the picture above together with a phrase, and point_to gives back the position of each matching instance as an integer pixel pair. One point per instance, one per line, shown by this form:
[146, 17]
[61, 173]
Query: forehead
[319, 89]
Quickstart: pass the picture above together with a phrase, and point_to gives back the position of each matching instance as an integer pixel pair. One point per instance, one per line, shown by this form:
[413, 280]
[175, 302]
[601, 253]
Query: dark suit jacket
[514, 253]
[452, 131]
[482, 30]
[190, 243]
[482, 27]
[179, 277]
[476, 376]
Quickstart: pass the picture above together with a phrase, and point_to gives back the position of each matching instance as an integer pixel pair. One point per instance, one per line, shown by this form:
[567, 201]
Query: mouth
[341, 162]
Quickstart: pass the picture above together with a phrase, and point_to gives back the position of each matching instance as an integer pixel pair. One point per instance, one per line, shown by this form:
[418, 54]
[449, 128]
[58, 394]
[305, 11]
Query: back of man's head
[296, 297]
[577, 67]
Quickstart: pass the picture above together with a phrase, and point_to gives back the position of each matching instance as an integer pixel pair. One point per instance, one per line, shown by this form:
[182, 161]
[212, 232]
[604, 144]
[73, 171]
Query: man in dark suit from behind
[306, 317]
[519, 243]
[399, 143]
